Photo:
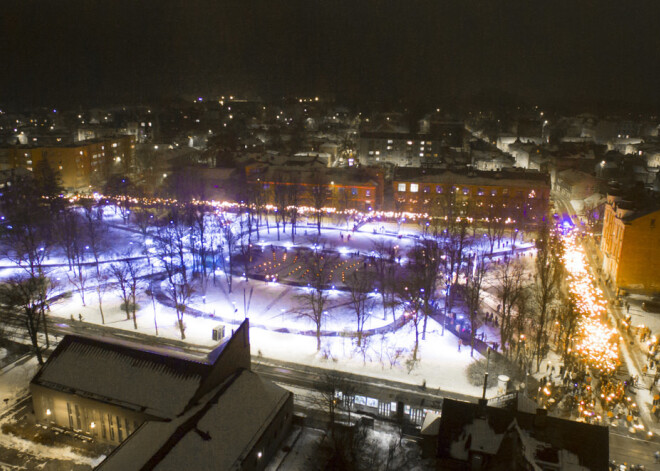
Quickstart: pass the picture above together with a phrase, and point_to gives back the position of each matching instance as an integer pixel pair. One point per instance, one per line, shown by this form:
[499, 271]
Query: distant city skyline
[582, 53]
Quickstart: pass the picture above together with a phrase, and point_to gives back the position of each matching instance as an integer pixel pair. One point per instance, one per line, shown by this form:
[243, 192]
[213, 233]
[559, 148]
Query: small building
[476, 437]
[577, 185]
[163, 408]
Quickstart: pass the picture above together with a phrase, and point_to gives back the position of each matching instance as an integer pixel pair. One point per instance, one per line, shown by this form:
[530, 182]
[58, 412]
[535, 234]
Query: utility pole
[483, 394]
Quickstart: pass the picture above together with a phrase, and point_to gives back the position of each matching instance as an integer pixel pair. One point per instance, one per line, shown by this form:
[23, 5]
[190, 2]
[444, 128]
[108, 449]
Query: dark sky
[93, 51]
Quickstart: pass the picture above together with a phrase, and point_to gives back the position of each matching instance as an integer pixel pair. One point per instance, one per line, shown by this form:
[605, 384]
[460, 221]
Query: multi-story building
[81, 164]
[515, 194]
[631, 243]
[346, 188]
[411, 148]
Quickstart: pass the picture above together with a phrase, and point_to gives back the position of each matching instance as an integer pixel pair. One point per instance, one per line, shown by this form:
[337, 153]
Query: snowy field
[273, 306]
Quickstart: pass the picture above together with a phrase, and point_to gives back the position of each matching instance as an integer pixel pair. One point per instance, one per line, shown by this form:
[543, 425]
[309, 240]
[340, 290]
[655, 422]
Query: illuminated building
[347, 188]
[210, 412]
[514, 194]
[405, 148]
[80, 164]
[631, 243]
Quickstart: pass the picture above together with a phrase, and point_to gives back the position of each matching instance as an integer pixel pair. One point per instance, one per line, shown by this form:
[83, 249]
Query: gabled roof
[123, 375]
[215, 434]
[159, 381]
[589, 443]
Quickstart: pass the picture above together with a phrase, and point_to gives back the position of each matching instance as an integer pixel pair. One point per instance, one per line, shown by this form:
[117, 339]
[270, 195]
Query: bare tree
[568, 322]
[546, 284]
[294, 201]
[474, 276]
[170, 248]
[335, 397]
[509, 282]
[26, 231]
[319, 196]
[425, 261]
[313, 299]
[97, 239]
[76, 250]
[493, 224]
[456, 242]
[360, 284]
[345, 205]
[227, 249]
[128, 274]
[25, 295]
[281, 195]
[245, 245]
[385, 270]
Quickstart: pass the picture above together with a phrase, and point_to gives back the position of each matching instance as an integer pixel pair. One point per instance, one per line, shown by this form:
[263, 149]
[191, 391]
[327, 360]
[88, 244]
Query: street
[633, 451]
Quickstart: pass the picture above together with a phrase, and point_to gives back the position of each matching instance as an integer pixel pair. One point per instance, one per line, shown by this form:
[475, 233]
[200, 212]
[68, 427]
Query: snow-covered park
[270, 296]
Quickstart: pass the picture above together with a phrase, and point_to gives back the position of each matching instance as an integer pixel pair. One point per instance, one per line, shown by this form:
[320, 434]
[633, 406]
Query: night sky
[589, 51]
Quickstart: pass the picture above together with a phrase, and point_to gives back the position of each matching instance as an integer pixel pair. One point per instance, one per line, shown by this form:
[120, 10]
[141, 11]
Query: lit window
[438, 188]
[480, 192]
[466, 191]
[401, 187]
[390, 141]
[410, 143]
[414, 187]
[367, 192]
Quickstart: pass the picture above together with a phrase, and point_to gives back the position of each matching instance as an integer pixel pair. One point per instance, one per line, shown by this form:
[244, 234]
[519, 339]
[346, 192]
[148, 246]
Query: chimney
[541, 418]
[481, 408]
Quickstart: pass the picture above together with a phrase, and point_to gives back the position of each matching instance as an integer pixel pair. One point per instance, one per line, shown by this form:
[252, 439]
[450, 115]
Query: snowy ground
[14, 380]
[272, 306]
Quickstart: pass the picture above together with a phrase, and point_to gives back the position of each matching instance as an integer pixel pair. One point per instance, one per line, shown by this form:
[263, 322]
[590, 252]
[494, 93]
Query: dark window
[120, 433]
[438, 188]
[104, 433]
[78, 422]
[68, 409]
[652, 222]
[354, 191]
[111, 426]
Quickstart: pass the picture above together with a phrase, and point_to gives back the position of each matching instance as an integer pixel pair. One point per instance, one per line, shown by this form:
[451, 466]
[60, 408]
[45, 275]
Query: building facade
[513, 195]
[167, 410]
[345, 188]
[81, 164]
[631, 245]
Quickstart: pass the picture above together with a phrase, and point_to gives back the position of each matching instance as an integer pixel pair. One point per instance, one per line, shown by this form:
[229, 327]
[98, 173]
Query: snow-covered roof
[466, 427]
[122, 375]
[216, 434]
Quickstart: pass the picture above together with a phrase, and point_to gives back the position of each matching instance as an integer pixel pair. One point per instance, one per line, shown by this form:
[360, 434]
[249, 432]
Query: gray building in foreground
[164, 410]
